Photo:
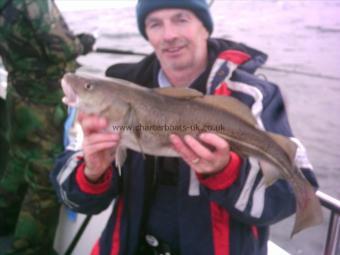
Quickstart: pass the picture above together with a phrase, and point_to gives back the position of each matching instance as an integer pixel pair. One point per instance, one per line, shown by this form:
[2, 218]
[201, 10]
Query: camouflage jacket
[36, 45]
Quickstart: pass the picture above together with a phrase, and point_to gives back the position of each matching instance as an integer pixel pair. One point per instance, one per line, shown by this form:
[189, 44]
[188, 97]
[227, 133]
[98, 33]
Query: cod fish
[147, 117]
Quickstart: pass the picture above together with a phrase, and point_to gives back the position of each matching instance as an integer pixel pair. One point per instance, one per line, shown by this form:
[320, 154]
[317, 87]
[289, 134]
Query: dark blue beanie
[199, 7]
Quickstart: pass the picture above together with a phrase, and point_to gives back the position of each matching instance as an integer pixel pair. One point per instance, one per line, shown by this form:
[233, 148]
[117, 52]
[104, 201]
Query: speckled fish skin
[131, 108]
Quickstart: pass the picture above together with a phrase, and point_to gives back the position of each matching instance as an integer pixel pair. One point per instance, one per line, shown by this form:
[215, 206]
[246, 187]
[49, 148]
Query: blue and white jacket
[225, 214]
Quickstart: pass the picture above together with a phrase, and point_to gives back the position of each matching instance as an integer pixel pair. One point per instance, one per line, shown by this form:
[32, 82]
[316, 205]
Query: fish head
[89, 94]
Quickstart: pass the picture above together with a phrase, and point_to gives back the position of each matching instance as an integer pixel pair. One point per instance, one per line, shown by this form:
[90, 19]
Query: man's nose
[170, 33]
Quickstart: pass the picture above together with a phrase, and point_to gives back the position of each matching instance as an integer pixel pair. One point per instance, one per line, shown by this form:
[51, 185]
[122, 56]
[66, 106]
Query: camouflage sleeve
[58, 42]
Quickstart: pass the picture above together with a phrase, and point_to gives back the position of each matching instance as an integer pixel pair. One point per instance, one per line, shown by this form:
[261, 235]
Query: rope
[321, 76]
[78, 235]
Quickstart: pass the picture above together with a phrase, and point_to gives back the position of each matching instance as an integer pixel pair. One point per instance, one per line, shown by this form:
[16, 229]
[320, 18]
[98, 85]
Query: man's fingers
[101, 146]
[101, 137]
[186, 153]
[198, 148]
[91, 123]
[214, 140]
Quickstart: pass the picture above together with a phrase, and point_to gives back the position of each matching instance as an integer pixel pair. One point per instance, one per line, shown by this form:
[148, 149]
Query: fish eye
[88, 86]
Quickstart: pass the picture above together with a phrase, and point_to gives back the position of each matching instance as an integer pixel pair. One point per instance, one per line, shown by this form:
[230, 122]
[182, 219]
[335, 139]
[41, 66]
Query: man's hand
[99, 145]
[87, 41]
[208, 155]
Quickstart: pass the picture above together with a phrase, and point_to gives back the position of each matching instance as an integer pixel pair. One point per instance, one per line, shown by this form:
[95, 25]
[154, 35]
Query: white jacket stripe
[259, 192]
[64, 174]
[243, 199]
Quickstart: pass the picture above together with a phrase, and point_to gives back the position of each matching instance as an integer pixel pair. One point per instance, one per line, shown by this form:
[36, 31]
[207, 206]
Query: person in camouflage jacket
[37, 48]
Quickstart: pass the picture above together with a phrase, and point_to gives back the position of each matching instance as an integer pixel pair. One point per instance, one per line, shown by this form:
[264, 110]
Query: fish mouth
[70, 98]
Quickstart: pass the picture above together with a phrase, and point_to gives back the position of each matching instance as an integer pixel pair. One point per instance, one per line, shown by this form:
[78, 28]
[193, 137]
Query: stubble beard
[178, 64]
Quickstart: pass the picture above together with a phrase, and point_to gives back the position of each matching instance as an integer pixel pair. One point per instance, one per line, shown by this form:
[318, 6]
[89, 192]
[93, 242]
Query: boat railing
[331, 247]
[333, 233]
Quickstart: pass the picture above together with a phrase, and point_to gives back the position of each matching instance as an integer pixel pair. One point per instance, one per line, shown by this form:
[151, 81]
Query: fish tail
[308, 207]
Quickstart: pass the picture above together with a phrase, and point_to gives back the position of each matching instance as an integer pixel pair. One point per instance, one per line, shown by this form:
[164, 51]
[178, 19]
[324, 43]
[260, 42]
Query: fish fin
[308, 207]
[286, 144]
[235, 147]
[232, 105]
[184, 93]
[131, 120]
[270, 172]
[120, 157]
[138, 134]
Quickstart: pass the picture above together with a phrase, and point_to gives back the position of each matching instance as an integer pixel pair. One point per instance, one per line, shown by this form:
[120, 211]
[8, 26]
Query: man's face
[178, 37]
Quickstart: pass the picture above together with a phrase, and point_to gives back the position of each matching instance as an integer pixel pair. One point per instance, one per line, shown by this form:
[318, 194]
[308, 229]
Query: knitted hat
[199, 7]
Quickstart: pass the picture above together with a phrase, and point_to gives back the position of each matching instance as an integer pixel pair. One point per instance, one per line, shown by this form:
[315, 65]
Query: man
[37, 48]
[210, 200]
